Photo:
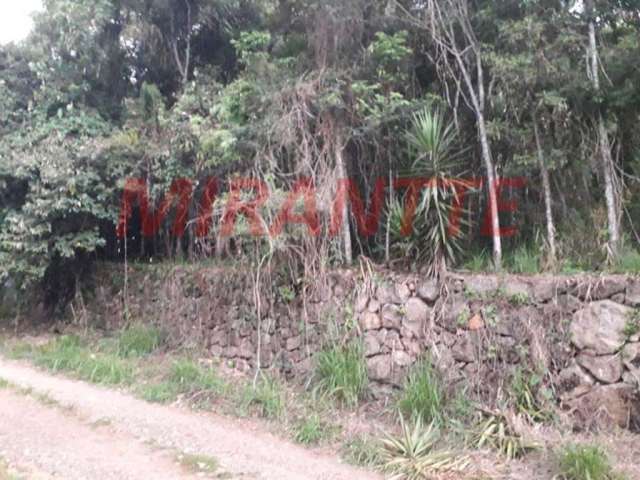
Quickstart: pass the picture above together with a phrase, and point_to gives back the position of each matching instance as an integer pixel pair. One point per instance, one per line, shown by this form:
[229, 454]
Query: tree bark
[342, 175]
[546, 186]
[604, 145]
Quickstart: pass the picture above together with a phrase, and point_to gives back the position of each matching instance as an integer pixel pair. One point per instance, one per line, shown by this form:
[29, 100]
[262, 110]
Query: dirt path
[110, 435]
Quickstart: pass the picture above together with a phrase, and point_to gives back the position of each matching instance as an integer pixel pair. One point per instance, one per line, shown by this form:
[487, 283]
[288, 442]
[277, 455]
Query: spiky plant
[432, 238]
[413, 455]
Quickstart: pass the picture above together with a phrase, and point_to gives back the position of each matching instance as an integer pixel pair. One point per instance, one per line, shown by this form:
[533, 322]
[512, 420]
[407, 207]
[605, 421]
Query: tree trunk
[546, 186]
[493, 192]
[342, 175]
[604, 144]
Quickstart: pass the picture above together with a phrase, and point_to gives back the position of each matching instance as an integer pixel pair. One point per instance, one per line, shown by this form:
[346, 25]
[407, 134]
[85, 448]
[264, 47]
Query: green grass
[628, 262]
[361, 451]
[266, 396]
[70, 354]
[312, 430]
[163, 392]
[3, 383]
[190, 377]
[139, 340]
[480, 262]
[585, 462]
[523, 260]
[422, 395]
[341, 373]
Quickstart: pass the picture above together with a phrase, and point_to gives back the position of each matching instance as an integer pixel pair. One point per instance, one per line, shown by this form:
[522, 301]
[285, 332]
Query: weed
[267, 396]
[341, 373]
[69, 354]
[632, 325]
[422, 395]
[519, 299]
[361, 451]
[312, 430]
[139, 340]
[628, 262]
[585, 462]
[191, 378]
[198, 464]
[479, 262]
[413, 454]
[497, 432]
[163, 392]
[524, 260]
[523, 387]
[21, 351]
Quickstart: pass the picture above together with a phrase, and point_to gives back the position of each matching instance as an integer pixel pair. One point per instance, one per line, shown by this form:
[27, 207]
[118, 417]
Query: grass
[480, 262]
[190, 377]
[361, 451]
[341, 373]
[162, 392]
[266, 396]
[585, 462]
[628, 262]
[198, 464]
[312, 430]
[422, 395]
[139, 340]
[69, 354]
[523, 260]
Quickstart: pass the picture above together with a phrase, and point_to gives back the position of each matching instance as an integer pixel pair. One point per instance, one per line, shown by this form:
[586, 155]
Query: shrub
[422, 395]
[341, 373]
[585, 462]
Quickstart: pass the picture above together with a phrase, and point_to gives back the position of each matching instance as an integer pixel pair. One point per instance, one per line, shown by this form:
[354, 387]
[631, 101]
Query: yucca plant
[413, 454]
[431, 142]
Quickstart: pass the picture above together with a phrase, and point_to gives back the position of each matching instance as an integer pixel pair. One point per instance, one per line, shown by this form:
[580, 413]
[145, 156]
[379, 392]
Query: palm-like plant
[432, 143]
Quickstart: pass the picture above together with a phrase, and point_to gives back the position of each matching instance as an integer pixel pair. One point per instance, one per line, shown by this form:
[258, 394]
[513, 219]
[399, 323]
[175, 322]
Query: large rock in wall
[582, 333]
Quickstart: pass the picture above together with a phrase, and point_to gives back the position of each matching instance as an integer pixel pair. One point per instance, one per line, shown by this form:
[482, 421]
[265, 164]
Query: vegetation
[304, 89]
[422, 396]
[585, 462]
[341, 373]
[415, 455]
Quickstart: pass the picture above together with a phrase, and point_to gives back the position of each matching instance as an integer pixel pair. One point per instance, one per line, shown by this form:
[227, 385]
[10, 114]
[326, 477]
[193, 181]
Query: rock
[607, 369]
[387, 294]
[455, 312]
[416, 315]
[361, 302]
[632, 297]
[374, 306]
[379, 368]
[514, 287]
[601, 289]
[605, 405]
[391, 316]
[476, 323]
[370, 321]
[600, 327]
[573, 382]
[482, 285]
[569, 303]
[401, 359]
[632, 378]
[403, 292]
[631, 355]
[429, 291]
[294, 343]
[544, 289]
[371, 345]
[463, 350]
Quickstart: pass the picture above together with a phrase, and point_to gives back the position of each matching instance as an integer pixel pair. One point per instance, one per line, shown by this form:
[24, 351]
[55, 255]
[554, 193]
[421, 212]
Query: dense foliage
[104, 90]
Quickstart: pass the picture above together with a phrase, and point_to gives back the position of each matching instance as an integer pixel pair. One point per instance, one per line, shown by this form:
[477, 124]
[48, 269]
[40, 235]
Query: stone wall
[581, 334]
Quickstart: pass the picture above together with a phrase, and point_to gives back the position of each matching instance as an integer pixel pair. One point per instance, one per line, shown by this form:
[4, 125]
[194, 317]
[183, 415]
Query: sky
[15, 19]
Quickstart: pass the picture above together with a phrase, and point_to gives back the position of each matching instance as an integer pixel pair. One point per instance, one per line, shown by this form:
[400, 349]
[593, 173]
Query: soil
[64, 429]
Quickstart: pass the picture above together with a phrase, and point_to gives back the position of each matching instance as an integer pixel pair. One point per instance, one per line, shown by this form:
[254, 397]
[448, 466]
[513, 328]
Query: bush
[585, 462]
[341, 373]
[422, 395]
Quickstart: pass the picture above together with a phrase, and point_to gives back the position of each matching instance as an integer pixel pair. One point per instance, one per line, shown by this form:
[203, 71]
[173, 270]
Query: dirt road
[65, 429]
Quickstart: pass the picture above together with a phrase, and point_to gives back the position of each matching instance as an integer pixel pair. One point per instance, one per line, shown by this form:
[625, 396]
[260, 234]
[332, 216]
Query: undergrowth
[585, 462]
[422, 395]
[341, 373]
